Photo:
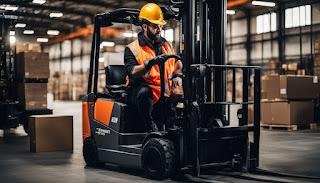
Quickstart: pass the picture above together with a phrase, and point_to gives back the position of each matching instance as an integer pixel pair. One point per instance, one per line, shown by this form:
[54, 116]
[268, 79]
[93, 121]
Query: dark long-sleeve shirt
[130, 60]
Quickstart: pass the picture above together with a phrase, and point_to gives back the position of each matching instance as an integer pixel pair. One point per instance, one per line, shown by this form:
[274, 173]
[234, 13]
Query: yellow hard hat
[153, 13]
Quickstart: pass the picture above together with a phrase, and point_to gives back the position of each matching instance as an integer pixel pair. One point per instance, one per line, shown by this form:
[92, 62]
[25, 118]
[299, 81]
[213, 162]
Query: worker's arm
[178, 68]
[138, 70]
[133, 69]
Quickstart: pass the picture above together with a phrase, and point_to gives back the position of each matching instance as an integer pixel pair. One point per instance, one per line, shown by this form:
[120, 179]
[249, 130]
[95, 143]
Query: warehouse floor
[281, 151]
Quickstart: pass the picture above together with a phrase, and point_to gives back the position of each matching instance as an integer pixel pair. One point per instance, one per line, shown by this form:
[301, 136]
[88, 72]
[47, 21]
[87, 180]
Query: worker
[143, 59]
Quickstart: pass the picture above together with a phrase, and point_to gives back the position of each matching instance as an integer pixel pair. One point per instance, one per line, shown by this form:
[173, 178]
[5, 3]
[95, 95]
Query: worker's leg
[164, 113]
[158, 114]
[142, 98]
[170, 112]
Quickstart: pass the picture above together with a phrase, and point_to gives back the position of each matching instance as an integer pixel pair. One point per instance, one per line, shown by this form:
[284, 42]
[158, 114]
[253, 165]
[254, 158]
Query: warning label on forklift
[102, 132]
[114, 120]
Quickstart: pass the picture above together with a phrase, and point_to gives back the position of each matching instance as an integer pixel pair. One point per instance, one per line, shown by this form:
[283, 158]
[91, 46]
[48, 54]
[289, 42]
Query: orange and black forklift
[202, 134]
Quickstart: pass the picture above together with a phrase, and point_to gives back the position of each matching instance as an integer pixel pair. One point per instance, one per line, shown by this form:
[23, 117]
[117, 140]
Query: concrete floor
[281, 151]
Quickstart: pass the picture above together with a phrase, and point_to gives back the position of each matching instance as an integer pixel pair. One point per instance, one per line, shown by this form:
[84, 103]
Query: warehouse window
[266, 23]
[298, 16]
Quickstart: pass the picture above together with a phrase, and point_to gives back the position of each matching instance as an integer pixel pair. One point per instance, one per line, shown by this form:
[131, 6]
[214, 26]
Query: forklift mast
[7, 64]
[204, 81]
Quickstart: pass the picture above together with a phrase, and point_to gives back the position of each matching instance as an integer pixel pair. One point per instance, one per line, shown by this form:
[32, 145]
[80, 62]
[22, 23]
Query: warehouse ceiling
[76, 13]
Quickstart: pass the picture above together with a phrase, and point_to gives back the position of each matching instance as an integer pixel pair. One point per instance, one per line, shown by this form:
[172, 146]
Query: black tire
[90, 153]
[158, 158]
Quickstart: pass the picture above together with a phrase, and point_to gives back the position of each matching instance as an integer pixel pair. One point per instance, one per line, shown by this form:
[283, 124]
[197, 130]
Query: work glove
[154, 61]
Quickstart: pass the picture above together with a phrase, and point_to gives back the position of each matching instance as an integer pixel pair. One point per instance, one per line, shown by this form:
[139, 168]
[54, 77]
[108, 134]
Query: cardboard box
[266, 112]
[250, 114]
[27, 47]
[289, 87]
[317, 60]
[33, 95]
[33, 65]
[316, 70]
[301, 72]
[317, 47]
[270, 85]
[51, 133]
[287, 112]
[273, 65]
[299, 87]
[290, 67]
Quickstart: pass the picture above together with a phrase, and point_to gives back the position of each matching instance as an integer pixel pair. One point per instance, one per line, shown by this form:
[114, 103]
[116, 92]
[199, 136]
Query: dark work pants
[141, 98]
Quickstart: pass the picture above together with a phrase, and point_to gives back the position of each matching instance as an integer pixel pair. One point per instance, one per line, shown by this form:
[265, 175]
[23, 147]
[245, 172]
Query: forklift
[12, 110]
[202, 135]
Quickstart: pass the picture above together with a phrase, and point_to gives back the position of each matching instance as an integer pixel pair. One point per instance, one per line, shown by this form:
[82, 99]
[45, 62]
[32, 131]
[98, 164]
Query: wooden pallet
[290, 127]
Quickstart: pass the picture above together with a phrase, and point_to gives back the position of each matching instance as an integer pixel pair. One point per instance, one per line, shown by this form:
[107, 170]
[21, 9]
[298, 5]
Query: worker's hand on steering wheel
[154, 61]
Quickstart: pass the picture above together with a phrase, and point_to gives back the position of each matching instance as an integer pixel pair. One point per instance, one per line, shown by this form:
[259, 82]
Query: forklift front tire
[158, 158]
[90, 153]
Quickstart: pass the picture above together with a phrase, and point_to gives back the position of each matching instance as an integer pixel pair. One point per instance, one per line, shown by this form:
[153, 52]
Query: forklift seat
[116, 80]
[115, 77]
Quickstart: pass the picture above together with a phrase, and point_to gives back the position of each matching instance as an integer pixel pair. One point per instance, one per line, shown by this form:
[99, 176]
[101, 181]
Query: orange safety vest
[152, 77]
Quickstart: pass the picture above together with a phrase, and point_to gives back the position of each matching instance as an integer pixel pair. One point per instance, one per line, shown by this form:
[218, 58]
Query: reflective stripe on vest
[152, 77]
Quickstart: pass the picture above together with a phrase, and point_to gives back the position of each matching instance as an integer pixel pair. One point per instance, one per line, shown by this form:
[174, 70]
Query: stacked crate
[67, 86]
[32, 76]
[273, 67]
[79, 85]
[288, 100]
[291, 68]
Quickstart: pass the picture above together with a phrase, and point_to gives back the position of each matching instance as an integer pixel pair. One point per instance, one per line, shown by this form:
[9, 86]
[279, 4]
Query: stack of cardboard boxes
[67, 86]
[73, 86]
[32, 76]
[238, 86]
[288, 100]
[273, 67]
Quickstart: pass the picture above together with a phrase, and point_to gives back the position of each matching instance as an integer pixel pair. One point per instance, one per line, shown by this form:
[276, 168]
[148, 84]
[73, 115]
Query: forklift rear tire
[90, 153]
[158, 158]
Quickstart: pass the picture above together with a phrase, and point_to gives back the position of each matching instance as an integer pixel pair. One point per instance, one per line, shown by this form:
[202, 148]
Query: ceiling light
[28, 32]
[129, 34]
[12, 33]
[263, 3]
[107, 44]
[56, 15]
[36, 11]
[20, 25]
[10, 8]
[12, 39]
[39, 1]
[231, 12]
[53, 32]
[42, 40]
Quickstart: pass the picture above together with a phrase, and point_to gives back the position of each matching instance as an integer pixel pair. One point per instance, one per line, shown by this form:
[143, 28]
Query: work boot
[153, 127]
